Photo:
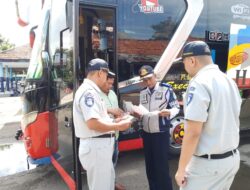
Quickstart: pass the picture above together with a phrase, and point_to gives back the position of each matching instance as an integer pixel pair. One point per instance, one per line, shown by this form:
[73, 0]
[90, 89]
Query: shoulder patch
[190, 98]
[89, 100]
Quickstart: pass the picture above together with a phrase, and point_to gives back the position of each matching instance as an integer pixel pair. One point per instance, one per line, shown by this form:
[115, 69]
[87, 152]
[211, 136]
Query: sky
[9, 28]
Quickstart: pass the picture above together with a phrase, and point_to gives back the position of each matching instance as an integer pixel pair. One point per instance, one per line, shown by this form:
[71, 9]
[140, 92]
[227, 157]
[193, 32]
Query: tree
[164, 30]
[5, 44]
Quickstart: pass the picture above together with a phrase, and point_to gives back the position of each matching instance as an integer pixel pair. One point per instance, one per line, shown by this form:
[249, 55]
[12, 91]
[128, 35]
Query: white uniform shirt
[213, 98]
[87, 105]
[160, 98]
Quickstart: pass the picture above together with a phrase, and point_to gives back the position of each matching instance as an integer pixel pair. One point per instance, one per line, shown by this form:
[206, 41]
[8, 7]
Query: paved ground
[130, 172]
[10, 110]
[130, 169]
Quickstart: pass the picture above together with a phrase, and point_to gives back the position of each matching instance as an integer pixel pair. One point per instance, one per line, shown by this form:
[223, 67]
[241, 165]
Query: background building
[13, 68]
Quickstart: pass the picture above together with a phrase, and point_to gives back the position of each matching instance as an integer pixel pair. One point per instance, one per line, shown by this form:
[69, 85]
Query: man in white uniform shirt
[209, 157]
[95, 128]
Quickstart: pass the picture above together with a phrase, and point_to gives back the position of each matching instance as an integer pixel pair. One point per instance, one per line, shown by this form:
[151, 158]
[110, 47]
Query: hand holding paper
[125, 117]
[136, 111]
[129, 117]
[116, 112]
[164, 113]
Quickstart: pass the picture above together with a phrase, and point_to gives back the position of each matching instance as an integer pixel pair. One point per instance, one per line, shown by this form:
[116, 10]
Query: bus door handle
[67, 123]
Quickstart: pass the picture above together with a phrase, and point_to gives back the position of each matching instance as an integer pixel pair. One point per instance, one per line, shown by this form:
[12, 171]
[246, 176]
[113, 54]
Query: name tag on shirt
[158, 95]
[144, 99]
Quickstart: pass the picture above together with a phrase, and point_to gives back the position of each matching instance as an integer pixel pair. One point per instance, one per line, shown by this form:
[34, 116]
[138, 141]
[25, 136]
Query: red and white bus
[127, 34]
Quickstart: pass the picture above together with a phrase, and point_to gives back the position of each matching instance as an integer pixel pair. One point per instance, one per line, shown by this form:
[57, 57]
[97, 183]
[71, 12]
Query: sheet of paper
[129, 118]
[140, 109]
[127, 106]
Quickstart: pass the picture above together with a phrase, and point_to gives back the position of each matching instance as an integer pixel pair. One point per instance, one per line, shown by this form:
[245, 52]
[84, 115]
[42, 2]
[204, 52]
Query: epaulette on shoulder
[165, 85]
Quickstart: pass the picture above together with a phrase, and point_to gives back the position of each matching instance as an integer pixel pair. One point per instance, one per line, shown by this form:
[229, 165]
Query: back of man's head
[97, 64]
[195, 48]
[198, 49]
[93, 71]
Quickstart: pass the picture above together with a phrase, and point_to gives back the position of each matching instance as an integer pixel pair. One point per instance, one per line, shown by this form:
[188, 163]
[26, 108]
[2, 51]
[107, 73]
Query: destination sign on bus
[218, 36]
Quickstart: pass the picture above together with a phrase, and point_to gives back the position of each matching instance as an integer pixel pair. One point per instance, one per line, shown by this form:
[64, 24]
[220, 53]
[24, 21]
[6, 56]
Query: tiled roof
[141, 47]
[145, 47]
[17, 53]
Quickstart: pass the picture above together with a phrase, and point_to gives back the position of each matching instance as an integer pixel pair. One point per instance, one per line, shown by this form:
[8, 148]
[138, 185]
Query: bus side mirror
[69, 13]
[22, 21]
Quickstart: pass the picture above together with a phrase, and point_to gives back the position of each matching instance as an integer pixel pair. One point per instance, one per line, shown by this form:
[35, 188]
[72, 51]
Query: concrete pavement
[130, 170]
[10, 110]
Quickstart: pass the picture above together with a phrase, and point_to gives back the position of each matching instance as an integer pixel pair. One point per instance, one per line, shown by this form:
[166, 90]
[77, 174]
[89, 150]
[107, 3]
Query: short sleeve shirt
[213, 98]
[110, 100]
[88, 105]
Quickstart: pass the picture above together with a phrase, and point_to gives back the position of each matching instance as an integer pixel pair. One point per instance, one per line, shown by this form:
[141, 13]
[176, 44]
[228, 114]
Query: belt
[108, 135]
[219, 156]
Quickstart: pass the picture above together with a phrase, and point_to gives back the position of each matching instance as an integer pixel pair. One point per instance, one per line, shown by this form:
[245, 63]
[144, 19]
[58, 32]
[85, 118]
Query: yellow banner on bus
[238, 65]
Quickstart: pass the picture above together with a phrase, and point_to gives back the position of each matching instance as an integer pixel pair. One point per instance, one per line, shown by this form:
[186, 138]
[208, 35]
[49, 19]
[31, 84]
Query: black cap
[195, 48]
[97, 64]
[146, 71]
[111, 74]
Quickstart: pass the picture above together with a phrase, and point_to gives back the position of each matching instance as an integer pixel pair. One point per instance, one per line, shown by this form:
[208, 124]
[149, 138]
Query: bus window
[143, 34]
[61, 52]
[96, 37]
[178, 78]
[101, 2]
[213, 26]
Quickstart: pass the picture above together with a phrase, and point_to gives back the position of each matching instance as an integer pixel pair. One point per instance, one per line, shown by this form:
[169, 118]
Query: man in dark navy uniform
[161, 103]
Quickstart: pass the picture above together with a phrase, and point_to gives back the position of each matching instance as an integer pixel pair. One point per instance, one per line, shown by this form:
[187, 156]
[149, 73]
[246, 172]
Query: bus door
[97, 39]
[96, 36]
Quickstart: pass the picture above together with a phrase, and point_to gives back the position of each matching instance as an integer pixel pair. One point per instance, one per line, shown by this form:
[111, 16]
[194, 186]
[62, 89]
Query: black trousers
[156, 150]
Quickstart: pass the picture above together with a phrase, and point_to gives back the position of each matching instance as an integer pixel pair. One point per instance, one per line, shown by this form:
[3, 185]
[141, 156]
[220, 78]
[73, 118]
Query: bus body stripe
[131, 144]
[65, 176]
